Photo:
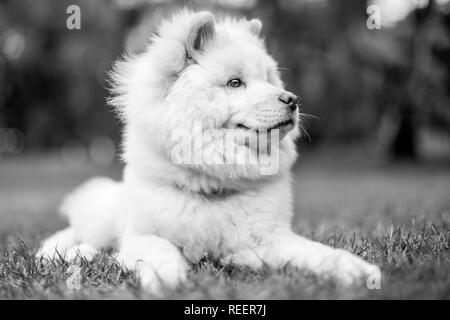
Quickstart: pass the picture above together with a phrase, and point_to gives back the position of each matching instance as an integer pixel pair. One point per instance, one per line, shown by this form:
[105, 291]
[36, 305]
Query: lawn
[396, 216]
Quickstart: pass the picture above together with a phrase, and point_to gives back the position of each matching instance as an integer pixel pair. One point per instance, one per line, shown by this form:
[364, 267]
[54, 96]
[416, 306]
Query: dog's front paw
[81, 251]
[349, 269]
[164, 276]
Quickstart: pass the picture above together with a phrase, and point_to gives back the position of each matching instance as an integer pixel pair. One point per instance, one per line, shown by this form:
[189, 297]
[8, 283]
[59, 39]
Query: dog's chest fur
[216, 226]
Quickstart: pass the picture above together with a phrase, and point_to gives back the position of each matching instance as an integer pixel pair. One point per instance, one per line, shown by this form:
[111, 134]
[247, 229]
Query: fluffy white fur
[164, 216]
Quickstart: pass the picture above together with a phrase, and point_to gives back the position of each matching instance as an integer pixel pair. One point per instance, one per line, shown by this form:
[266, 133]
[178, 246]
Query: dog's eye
[235, 83]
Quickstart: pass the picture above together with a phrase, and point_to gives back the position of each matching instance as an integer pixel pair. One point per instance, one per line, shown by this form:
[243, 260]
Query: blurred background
[379, 96]
[387, 88]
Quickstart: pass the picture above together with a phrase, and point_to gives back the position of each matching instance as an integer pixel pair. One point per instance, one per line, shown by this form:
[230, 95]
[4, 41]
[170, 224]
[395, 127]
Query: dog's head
[208, 96]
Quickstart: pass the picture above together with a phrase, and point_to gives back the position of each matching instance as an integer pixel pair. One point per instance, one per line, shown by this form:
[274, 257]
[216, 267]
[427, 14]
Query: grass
[395, 216]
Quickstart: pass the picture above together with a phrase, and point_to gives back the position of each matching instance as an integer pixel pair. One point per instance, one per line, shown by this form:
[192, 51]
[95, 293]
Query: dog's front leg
[158, 263]
[291, 249]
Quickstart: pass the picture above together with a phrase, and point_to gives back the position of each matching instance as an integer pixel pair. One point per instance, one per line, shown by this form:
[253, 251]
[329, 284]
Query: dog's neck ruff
[187, 182]
[212, 193]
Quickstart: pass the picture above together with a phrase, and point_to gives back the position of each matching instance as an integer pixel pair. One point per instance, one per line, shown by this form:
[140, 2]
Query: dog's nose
[290, 99]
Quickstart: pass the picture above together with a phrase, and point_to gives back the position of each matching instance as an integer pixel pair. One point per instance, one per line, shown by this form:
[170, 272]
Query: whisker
[307, 115]
[305, 131]
[302, 122]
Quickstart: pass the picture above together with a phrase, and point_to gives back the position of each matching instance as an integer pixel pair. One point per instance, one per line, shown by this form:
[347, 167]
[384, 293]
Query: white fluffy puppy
[168, 212]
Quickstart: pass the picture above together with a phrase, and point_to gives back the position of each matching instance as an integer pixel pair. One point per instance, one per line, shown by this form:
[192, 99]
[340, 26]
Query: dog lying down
[208, 143]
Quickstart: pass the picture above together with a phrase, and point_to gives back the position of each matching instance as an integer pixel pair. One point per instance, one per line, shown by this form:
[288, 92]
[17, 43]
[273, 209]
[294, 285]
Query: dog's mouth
[282, 126]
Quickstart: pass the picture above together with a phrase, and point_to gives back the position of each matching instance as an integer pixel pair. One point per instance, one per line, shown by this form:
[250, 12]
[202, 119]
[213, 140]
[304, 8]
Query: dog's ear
[202, 30]
[255, 26]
